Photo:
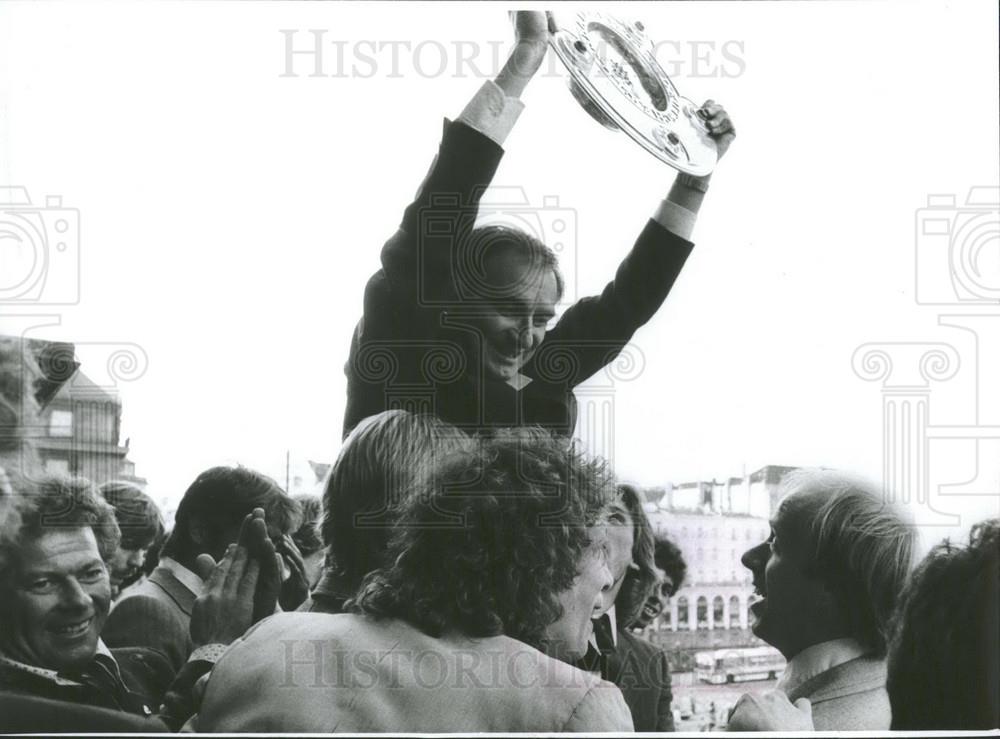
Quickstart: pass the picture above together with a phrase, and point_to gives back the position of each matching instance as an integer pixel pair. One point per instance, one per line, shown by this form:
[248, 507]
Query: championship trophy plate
[615, 76]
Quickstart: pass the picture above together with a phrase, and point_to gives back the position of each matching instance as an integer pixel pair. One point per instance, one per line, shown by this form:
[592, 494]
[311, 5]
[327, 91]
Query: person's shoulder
[850, 696]
[296, 626]
[601, 708]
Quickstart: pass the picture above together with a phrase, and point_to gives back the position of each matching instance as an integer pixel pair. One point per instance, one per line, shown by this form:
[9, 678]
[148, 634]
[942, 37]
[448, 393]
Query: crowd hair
[378, 467]
[943, 666]
[641, 581]
[512, 521]
[56, 503]
[138, 517]
[220, 497]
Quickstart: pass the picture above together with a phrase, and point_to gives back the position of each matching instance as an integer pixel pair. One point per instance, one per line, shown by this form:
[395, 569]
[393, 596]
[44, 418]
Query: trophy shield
[615, 76]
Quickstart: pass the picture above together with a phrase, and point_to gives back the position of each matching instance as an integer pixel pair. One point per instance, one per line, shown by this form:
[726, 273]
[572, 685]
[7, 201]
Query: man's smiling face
[56, 602]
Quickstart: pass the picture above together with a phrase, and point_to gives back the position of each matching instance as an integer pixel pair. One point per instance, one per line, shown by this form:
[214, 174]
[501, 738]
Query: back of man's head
[943, 667]
[210, 513]
[374, 474]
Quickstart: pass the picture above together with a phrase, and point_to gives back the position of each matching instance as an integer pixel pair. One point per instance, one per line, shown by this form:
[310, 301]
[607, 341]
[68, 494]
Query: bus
[736, 665]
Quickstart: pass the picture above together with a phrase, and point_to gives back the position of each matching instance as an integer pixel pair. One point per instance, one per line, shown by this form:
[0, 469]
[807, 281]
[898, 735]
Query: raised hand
[719, 124]
[241, 589]
[531, 36]
[224, 610]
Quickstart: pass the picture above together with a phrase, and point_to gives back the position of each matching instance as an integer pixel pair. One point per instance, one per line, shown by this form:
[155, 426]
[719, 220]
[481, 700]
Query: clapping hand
[240, 589]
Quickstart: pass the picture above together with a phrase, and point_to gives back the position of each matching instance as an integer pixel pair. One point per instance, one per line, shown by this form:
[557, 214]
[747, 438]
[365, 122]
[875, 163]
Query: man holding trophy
[456, 322]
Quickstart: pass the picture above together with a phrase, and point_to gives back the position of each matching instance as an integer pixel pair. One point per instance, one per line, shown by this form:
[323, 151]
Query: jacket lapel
[174, 588]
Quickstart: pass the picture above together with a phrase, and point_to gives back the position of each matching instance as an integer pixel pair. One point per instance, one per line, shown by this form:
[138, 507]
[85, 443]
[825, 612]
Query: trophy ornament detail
[615, 77]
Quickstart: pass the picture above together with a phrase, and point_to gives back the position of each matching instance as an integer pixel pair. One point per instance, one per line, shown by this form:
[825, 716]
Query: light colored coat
[848, 697]
[319, 672]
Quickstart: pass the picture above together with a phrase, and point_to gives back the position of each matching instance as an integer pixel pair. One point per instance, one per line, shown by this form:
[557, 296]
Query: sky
[232, 200]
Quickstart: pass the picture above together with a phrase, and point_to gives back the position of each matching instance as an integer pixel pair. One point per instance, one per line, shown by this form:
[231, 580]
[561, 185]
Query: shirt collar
[519, 381]
[817, 659]
[610, 613]
[186, 578]
[52, 675]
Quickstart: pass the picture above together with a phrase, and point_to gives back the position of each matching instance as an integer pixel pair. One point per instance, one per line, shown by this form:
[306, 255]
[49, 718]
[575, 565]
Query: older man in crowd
[157, 613]
[828, 579]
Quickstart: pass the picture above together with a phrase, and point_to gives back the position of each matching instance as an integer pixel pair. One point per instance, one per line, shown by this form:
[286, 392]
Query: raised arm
[678, 211]
[592, 332]
[444, 210]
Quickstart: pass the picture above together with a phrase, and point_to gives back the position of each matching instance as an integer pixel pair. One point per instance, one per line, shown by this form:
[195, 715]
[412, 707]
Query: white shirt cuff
[677, 219]
[492, 113]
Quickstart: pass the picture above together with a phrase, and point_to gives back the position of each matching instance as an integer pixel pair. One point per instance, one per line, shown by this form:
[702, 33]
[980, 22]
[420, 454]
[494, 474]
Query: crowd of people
[469, 567]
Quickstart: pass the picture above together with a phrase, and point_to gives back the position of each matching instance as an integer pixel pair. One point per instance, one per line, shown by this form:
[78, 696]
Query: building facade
[714, 523]
[80, 425]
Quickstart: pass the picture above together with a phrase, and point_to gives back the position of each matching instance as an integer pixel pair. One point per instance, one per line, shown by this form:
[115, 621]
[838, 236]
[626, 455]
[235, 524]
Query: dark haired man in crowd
[640, 669]
[157, 613]
[828, 580]
[670, 560]
[140, 522]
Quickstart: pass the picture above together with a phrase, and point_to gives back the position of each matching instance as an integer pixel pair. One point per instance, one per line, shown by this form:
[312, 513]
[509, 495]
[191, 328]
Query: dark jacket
[139, 692]
[642, 672]
[414, 347]
[155, 614]
[130, 680]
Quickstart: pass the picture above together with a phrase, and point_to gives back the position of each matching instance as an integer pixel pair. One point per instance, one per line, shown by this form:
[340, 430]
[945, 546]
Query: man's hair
[640, 581]
[55, 503]
[859, 546]
[943, 667]
[306, 536]
[491, 540]
[491, 242]
[219, 498]
[138, 516]
[670, 559]
[376, 470]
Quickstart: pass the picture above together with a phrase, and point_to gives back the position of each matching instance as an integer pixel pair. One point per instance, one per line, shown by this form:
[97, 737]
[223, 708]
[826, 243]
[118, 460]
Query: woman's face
[512, 328]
